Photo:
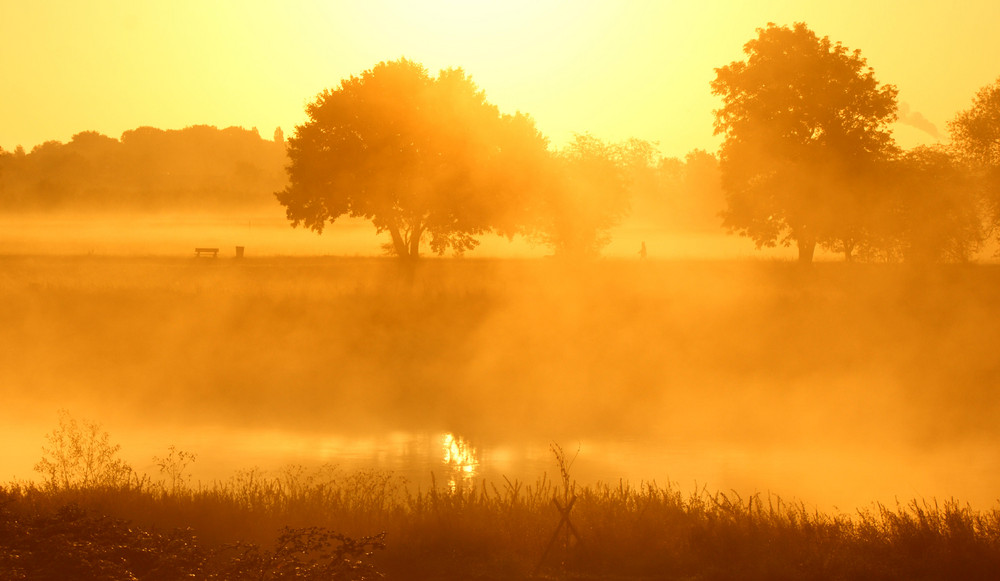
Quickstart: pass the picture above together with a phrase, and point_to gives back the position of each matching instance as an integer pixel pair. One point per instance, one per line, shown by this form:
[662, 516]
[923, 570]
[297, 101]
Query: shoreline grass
[491, 530]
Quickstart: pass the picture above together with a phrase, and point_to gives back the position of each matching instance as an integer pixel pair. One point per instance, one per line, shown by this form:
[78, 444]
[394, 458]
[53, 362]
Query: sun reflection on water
[461, 459]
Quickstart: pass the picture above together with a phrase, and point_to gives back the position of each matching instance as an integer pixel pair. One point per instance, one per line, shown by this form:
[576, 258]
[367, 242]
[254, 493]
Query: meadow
[813, 398]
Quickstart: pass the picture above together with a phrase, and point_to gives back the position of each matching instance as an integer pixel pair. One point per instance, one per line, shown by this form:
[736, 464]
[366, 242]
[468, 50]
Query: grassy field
[856, 382]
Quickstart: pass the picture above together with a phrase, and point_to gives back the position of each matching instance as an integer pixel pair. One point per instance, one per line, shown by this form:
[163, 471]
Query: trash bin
[239, 252]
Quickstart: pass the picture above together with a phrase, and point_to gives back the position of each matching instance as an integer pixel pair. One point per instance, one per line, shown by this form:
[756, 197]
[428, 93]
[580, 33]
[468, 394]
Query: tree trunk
[415, 235]
[807, 248]
[397, 242]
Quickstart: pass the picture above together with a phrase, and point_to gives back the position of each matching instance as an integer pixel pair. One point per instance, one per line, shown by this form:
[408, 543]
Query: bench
[213, 251]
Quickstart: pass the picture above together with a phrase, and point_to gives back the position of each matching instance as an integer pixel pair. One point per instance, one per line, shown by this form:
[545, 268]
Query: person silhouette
[642, 251]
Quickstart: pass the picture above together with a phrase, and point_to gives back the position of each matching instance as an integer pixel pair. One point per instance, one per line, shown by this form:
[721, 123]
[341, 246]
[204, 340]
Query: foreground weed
[80, 454]
[173, 468]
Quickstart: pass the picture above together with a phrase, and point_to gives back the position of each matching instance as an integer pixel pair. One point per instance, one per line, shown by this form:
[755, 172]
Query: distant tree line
[203, 168]
[807, 158]
[197, 168]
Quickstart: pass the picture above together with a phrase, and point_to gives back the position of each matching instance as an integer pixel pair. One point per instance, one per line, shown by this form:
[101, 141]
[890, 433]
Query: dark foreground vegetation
[93, 517]
[240, 530]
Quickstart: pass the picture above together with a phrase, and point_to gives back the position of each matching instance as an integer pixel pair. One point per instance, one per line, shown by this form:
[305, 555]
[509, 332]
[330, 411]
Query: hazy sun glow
[615, 69]
[682, 353]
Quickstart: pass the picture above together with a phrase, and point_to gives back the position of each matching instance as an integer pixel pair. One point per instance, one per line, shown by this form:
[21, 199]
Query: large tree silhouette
[805, 126]
[975, 133]
[421, 157]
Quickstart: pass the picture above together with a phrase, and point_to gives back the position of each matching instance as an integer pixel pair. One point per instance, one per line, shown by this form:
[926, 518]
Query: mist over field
[618, 321]
[839, 385]
[466, 290]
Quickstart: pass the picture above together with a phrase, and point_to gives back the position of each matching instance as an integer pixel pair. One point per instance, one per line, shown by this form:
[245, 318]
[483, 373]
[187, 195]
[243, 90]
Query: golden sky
[614, 68]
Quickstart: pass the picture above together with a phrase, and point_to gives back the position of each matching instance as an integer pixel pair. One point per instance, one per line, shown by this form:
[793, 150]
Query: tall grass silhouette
[326, 523]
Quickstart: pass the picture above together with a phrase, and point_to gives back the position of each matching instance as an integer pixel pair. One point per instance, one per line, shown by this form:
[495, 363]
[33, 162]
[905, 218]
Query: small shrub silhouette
[81, 454]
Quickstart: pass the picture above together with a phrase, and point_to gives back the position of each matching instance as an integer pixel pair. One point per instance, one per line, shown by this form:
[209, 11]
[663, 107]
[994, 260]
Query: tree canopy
[587, 191]
[422, 157]
[680, 195]
[928, 211]
[975, 134]
[805, 123]
[976, 131]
